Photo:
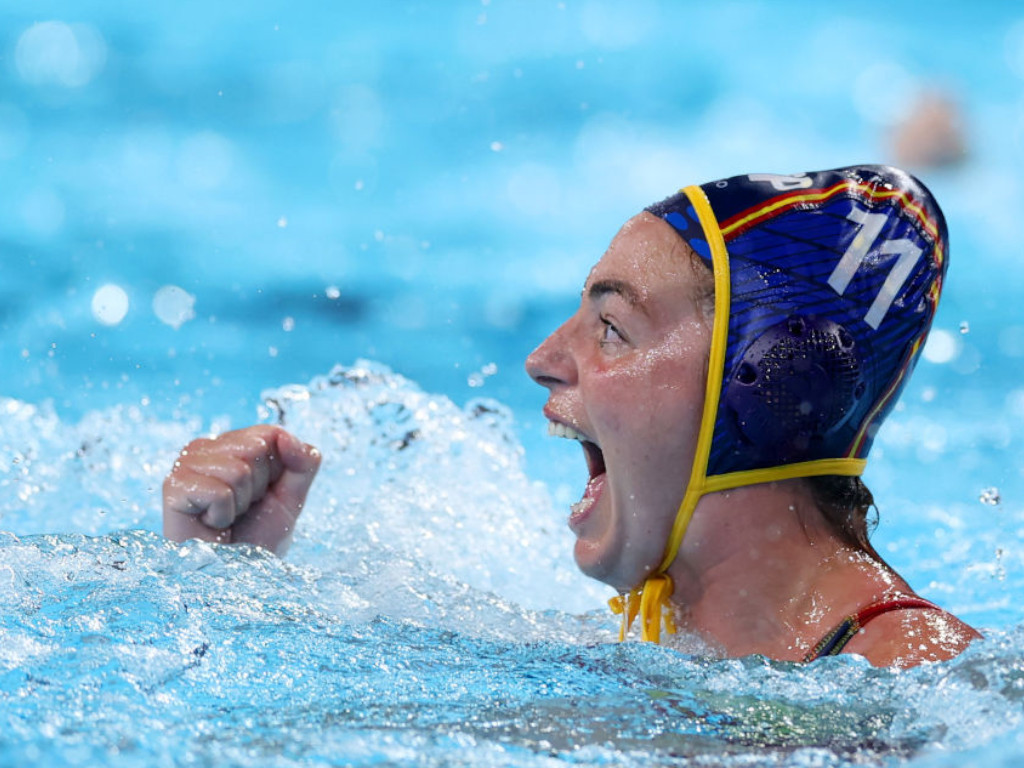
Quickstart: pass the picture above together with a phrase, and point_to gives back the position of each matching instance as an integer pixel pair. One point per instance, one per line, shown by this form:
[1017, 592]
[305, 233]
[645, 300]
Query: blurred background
[200, 201]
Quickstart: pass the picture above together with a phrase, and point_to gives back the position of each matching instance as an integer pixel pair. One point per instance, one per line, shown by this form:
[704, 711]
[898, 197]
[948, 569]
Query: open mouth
[595, 467]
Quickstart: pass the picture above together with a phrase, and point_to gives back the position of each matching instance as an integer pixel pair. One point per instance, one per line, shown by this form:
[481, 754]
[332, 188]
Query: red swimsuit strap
[833, 643]
[864, 615]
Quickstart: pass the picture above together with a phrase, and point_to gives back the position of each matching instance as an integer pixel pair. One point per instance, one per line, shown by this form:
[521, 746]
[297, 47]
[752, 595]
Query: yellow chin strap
[651, 599]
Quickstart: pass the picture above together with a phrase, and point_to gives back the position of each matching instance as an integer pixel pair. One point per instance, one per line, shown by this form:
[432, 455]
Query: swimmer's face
[626, 377]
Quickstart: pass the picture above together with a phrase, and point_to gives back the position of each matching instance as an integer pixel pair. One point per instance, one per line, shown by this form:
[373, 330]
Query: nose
[551, 364]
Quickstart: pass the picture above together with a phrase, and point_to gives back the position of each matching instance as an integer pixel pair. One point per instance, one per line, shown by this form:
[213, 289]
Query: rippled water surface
[413, 622]
[207, 207]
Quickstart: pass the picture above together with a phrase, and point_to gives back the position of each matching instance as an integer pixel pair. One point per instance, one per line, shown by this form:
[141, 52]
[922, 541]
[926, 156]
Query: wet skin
[627, 374]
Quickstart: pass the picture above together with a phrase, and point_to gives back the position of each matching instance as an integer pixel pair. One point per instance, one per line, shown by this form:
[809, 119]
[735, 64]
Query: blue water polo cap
[833, 280]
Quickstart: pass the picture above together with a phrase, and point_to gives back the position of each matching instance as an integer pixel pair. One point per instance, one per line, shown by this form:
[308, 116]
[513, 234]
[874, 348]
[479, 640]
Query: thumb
[300, 463]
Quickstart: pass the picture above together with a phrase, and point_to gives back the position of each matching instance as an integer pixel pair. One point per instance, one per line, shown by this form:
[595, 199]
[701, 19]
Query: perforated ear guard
[796, 384]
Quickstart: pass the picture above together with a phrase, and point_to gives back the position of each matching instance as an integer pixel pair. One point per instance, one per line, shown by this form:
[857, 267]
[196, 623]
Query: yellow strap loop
[651, 603]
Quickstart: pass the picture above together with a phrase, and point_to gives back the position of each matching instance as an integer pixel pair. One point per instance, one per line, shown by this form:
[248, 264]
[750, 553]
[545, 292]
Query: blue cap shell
[833, 280]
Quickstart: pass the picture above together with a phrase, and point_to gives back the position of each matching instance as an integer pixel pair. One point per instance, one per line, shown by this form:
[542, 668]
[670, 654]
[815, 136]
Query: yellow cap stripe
[716, 365]
[850, 467]
[700, 484]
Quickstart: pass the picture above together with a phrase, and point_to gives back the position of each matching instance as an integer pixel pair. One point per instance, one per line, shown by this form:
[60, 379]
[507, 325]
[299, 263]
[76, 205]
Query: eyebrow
[601, 288]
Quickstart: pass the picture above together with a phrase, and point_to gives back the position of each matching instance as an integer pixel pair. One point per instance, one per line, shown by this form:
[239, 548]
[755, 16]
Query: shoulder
[908, 637]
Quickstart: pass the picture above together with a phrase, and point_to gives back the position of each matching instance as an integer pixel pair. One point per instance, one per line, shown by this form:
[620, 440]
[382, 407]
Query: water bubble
[173, 306]
[941, 347]
[964, 327]
[477, 378]
[990, 497]
[332, 292]
[497, 146]
[55, 53]
[282, 222]
[110, 304]
[288, 324]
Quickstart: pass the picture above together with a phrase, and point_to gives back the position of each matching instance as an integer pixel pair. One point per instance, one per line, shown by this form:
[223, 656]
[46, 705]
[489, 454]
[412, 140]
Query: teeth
[556, 429]
[581, 506]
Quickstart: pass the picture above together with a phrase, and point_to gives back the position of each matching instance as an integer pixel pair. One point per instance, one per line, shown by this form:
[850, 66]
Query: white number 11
[871, 227]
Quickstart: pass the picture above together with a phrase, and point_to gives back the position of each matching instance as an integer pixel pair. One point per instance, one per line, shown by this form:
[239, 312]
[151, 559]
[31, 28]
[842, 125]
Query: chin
[592, 565]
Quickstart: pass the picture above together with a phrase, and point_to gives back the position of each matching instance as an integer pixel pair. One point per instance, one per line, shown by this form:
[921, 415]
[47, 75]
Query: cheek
[652, 400]
[653, 414]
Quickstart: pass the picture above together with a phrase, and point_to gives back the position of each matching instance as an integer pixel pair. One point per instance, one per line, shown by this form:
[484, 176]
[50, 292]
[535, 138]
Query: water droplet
[55, 53]
[174, 306]
[941, 347]
[110, 304]
[990, 497]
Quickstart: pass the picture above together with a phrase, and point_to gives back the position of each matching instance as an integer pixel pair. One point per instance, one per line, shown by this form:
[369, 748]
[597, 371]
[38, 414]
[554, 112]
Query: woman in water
[733, 355]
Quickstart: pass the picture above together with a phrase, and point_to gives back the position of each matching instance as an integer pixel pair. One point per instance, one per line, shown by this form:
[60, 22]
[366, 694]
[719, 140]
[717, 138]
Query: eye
[610, 334]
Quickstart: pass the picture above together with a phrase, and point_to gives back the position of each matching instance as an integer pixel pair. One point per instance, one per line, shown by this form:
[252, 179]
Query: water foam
[413, 622]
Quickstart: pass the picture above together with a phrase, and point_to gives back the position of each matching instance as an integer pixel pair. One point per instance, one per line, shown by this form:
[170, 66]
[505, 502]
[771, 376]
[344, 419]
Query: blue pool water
[206, 209]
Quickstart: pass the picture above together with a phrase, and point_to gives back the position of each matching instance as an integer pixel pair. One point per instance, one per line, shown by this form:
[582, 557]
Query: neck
[761, 572]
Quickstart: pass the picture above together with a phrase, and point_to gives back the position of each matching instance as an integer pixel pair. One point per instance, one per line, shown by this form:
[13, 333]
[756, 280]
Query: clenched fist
[247, 486]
